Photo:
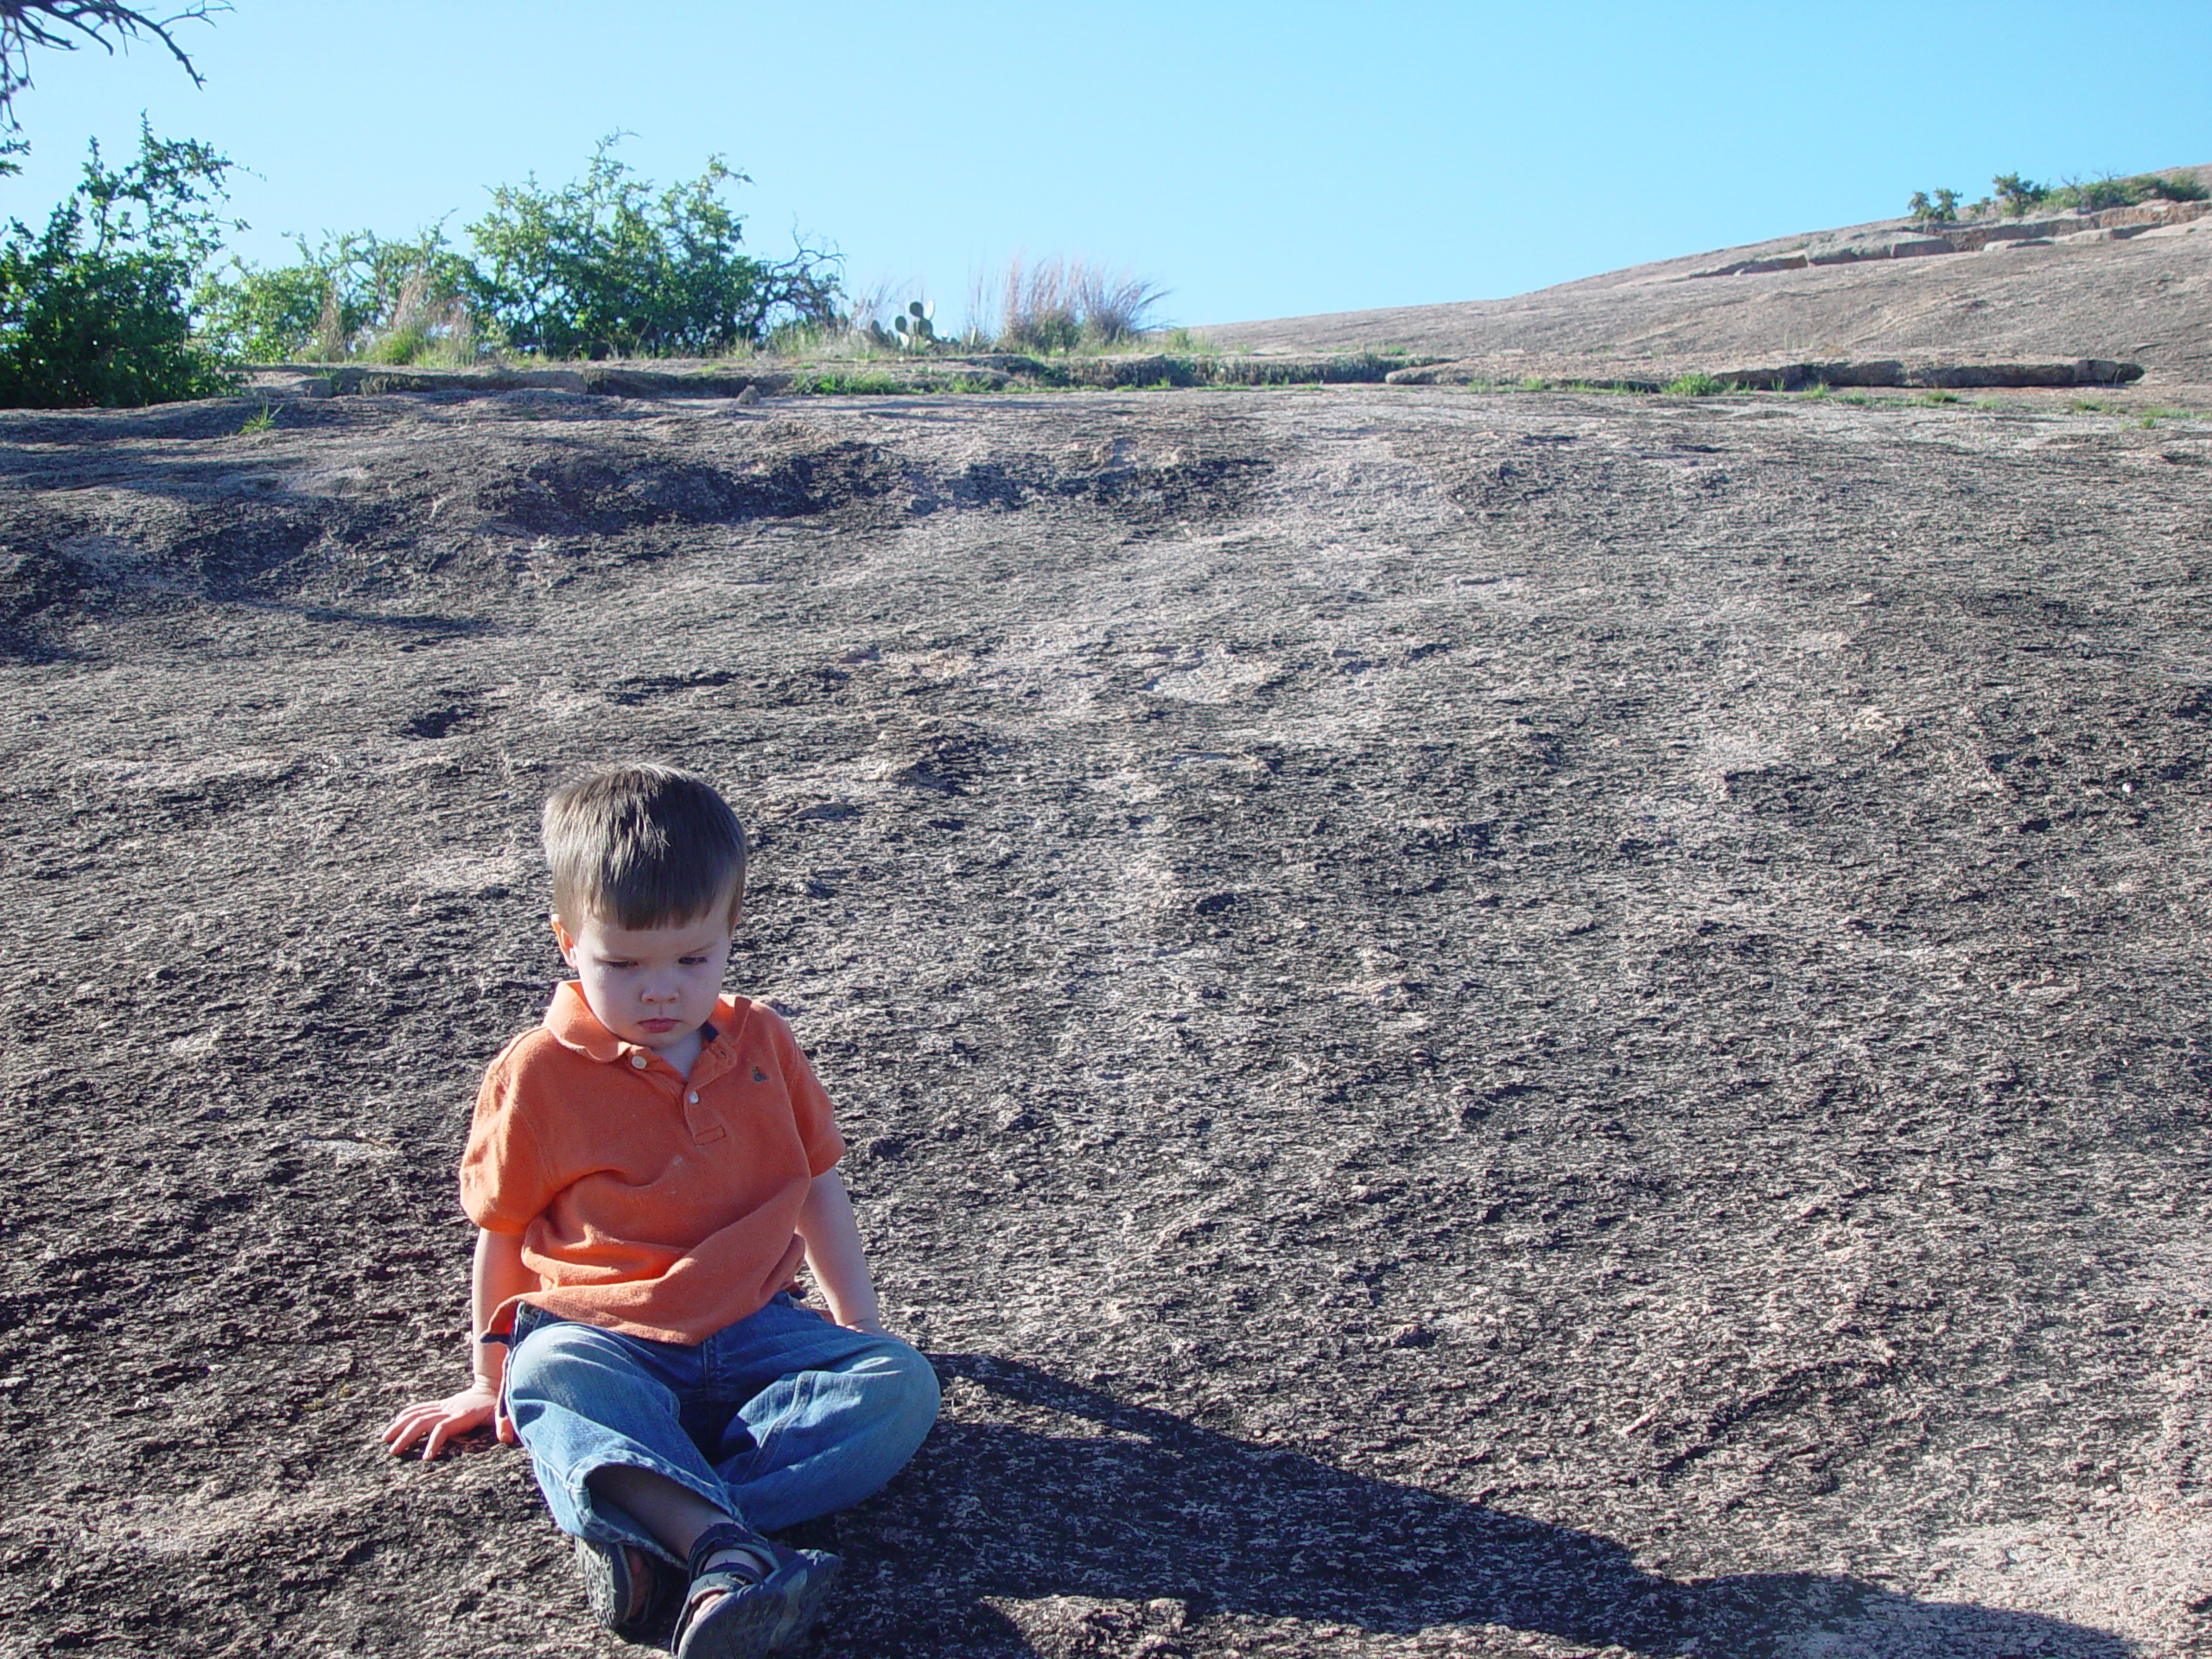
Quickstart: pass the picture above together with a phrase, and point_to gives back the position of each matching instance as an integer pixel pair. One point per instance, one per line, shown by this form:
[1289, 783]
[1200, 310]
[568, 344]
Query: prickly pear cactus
[914, 325]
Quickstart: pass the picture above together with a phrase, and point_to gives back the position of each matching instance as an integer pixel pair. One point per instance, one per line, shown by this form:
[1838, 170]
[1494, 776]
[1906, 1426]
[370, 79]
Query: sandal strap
[728, 1536]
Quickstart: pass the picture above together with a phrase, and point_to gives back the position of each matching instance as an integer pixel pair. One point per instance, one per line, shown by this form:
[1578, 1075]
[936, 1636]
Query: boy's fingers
[438, 1425]
[422, 1420]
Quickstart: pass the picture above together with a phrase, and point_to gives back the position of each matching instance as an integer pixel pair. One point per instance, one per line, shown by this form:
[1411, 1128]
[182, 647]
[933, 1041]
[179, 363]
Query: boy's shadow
[1151, 1509]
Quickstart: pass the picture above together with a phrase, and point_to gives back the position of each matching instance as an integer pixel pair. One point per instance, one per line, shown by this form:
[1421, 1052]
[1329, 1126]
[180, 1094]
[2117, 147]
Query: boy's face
[652, 986]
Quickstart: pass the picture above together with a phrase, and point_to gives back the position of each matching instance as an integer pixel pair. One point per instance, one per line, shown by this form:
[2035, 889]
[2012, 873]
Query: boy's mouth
[656, 1024]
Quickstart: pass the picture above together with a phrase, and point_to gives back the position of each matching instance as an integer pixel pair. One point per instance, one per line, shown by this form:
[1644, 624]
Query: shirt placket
[702, 1121]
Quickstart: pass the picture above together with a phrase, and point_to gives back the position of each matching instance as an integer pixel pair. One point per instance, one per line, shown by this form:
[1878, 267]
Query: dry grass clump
[1065, 305]
[1051, 306]
[422, 327]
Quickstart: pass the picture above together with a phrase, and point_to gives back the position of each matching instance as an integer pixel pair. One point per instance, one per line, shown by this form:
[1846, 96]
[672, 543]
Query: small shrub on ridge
[1942, 209]
[609, 265]
[93, 310]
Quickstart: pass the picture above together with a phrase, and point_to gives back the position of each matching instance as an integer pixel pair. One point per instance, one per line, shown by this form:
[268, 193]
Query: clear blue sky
[1257, 160]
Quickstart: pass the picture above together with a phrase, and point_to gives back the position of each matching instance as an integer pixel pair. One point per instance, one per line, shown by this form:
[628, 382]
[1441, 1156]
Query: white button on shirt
[639, 1061]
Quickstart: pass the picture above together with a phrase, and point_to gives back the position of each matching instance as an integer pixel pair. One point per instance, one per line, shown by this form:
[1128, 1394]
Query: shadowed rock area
[1470, 1023]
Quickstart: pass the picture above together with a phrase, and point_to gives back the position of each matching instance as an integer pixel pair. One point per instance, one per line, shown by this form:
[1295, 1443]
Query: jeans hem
[596, 1524]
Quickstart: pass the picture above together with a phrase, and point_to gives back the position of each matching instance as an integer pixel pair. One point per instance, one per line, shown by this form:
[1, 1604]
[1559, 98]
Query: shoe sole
[608, 1589]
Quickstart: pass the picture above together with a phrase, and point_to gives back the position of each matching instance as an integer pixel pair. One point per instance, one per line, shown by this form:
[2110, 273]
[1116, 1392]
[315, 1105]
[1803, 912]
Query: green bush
[2018, 195]
[2094, 195]
[2174, 189]
[264, 317]
[607, 266]
[355, 294]
[93, 310]
[1942, 209]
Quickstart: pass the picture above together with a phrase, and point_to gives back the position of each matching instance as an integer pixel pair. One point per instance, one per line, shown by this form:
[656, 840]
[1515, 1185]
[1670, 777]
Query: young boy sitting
[646, 1170]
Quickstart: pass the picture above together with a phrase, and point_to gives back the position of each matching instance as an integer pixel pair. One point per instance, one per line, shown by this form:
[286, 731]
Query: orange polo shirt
[648, 1203]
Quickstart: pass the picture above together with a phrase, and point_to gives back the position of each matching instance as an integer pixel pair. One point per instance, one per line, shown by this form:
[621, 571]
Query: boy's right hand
[475, 1407]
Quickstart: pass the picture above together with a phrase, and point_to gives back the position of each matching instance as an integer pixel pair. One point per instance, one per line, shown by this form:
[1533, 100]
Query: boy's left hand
[441, 1420]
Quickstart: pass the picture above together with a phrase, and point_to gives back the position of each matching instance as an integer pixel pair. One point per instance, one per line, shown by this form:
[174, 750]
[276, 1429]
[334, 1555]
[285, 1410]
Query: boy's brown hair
[642, 846]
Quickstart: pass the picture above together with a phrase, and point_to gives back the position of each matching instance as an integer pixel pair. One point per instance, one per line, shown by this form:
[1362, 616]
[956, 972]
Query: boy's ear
[568, 945]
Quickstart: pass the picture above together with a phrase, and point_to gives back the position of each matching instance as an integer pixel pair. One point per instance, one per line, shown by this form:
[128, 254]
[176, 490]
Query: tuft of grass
[1189, 344]
[1695, 385]
[1065, 305]
[330, 328]
[1939, 398]
[844, 337]
[262, 420]
[846, 385]
[2093, 406]
[1817, 393]
[425, 329]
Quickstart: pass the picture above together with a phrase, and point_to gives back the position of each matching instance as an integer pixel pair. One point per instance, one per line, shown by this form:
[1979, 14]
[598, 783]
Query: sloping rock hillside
[2130, 285]
[1470, 1024]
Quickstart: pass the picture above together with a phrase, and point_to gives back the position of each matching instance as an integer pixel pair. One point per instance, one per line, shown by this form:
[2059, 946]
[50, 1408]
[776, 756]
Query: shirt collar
[570, 1020]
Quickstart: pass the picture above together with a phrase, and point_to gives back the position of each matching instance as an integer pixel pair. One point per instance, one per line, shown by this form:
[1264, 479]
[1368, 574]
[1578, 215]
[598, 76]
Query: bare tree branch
[65, 25]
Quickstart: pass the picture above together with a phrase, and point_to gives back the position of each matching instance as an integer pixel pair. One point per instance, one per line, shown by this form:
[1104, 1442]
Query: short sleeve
[504, 1182]
[817, 1127]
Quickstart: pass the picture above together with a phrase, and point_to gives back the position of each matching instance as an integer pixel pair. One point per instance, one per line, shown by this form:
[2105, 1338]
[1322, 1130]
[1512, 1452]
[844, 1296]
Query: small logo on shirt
[758, 1076]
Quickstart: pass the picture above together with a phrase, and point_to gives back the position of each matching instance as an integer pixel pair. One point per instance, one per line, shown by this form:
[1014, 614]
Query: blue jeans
[775, 1420]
